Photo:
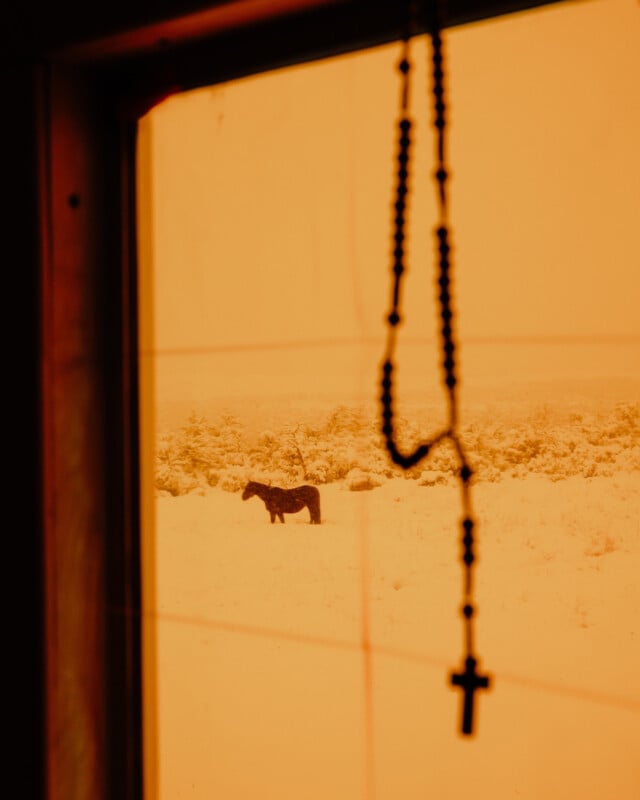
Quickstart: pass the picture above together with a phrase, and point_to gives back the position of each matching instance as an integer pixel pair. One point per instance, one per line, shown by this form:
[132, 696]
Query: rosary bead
[467, 610]
[394, 318]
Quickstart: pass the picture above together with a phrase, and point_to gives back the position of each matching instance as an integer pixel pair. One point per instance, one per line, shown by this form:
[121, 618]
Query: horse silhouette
[286, 501]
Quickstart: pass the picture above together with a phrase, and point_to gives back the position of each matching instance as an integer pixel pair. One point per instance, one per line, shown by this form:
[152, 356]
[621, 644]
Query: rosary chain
[469, 680]
[406, 461]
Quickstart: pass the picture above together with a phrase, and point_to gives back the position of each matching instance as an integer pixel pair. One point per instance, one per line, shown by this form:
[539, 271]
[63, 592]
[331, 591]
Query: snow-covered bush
[346, 446]
[429, 477]
[199, 454]
[233, 479]
[359, 480]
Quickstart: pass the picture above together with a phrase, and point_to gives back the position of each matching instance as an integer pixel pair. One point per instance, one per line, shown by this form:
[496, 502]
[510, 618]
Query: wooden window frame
[86, 99]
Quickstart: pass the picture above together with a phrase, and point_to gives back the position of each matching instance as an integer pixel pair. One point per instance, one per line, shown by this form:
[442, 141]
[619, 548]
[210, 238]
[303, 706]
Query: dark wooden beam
[126, 26]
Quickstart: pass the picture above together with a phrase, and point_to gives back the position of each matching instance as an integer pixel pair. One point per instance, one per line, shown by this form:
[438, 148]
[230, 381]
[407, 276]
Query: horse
[286, 501]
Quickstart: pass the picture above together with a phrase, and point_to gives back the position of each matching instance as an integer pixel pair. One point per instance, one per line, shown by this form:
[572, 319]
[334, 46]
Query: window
[300, 660]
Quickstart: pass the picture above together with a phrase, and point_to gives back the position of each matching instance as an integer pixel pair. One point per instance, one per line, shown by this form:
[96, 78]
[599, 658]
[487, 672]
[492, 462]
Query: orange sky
[272, 194]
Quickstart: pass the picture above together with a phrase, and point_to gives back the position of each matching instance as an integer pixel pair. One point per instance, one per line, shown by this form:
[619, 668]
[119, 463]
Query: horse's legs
[314, 511]
[273, 516]
[281, 515]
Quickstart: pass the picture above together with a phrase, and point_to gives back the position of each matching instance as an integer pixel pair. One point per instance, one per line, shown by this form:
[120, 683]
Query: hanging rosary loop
[467, 679]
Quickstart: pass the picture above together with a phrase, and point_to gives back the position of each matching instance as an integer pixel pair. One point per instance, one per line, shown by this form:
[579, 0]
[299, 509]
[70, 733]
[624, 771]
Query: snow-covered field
[266, 691]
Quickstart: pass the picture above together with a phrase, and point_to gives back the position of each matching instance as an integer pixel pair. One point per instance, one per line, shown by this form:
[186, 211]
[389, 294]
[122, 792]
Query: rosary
[468, 679]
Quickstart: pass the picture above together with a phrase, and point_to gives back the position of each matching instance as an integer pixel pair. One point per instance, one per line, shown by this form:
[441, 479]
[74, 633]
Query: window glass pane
[301, 660]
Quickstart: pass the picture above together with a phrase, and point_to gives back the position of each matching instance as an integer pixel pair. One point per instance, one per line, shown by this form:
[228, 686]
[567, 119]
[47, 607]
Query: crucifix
[468, 680]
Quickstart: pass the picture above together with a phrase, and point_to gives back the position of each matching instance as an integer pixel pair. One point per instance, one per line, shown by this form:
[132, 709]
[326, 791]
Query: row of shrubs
[345, 446]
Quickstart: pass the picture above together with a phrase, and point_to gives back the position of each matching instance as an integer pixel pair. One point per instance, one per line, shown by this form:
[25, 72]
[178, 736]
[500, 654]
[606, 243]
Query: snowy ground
[264, 688]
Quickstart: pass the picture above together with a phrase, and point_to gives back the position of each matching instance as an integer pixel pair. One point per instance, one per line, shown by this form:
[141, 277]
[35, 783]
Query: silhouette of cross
[469, 680]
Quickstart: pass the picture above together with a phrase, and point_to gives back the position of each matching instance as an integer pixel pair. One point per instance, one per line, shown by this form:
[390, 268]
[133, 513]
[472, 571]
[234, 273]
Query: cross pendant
[469, 681]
